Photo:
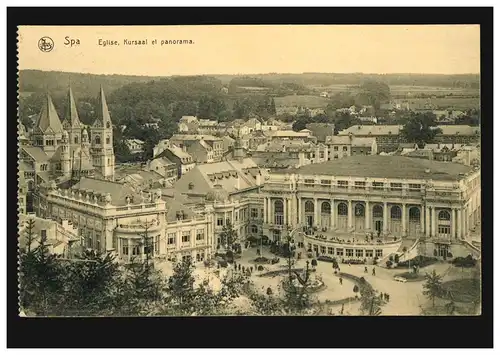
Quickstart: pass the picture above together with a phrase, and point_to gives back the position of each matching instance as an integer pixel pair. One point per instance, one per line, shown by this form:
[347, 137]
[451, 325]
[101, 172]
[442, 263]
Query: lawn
[463, 290]
[309, 101]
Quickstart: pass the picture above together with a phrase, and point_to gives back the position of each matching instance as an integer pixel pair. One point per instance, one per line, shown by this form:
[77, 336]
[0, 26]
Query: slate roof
[375, 130]
[48, 118]
[102, 112]
[36, 153]
[118, 191]
[71, 120]
[204, 177]
[377, 166]
[462, 130]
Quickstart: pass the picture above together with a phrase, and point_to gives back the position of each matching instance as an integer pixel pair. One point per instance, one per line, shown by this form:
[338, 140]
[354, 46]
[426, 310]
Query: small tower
[238, 151]
[101, 139]
[72, 122]
[85, 142]
[65, 155]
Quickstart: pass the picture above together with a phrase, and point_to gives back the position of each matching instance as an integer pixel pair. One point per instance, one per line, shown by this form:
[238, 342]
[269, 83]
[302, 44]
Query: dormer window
[108, 125]
[97, 140]
[108, 140]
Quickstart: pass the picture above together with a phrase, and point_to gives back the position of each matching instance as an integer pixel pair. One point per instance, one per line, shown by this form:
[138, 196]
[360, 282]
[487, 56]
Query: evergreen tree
[432, 286]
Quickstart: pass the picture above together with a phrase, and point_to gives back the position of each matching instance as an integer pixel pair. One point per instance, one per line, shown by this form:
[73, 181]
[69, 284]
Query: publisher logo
[46, 44]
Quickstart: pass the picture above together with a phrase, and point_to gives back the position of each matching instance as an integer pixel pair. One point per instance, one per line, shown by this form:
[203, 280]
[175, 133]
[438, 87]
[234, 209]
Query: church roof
[48, 120]
[36, 153]
[71, 120]
[102, 111]
[378, 166]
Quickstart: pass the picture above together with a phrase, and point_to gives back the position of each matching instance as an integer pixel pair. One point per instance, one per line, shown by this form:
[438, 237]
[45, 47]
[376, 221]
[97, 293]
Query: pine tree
[432, 286]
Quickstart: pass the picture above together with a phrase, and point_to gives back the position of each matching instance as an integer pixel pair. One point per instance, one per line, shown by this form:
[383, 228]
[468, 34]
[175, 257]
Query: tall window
[97, 140]
[278, 212]
[157, 244]
[395, 212]
[254, 213]
[326, 208]
[342, 209]
[124, 247]
[108, 140]
[171, 238]
[200, 234]
[309, 207]
[186, 237]
[359, 210]
[414, 214]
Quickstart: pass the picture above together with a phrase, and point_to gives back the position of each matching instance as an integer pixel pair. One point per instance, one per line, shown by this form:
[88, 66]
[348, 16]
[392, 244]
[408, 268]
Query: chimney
[257, 179]
[238, 183]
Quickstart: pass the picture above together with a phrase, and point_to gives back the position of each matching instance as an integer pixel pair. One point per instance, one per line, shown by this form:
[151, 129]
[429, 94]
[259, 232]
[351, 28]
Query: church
[67, 150]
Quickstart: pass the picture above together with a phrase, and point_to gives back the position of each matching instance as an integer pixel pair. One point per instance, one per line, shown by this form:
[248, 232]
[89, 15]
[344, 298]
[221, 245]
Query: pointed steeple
[103, 119]
[71, 120]
[48, 118]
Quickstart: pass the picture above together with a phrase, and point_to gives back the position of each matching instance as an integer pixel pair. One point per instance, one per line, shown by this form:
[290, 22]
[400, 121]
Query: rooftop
[396, 167]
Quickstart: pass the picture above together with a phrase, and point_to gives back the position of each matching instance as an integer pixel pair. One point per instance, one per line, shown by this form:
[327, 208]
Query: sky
[429, 49]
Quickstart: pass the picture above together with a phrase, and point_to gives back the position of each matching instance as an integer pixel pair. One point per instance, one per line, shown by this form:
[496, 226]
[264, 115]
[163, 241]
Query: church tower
[72, 122]
[65, 155]
[101, 136]
[48, 130]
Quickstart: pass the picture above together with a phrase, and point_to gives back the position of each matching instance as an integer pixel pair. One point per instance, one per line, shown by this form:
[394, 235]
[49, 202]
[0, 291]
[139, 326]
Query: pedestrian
[340, 280]
[349, 263]
[388, 297]
[382, 296]
[373, 272]
[366, 270]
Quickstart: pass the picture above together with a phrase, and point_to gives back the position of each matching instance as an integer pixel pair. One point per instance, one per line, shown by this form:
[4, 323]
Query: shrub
[260, 268]
[261, 259]
[391, 258]
[468, 261]
[355, 289]
[420, 261]
[362, 280]
[435, 252]
[396, 259]
[326, 258]
[388, 263]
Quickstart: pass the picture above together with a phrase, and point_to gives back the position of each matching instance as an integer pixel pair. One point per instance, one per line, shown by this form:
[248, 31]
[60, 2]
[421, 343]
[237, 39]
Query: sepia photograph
[249, 170]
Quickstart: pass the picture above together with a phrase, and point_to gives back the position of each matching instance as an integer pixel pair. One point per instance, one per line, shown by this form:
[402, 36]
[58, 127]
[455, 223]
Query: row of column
[458, 222]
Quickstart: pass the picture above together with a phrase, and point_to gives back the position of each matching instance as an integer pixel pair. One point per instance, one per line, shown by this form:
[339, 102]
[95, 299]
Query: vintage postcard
[210, 171]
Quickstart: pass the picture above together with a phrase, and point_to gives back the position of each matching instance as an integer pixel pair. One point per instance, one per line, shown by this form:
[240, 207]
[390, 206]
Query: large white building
[390, 196]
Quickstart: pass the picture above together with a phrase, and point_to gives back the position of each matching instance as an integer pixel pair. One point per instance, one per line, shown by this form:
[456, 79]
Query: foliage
[432, 286]
[466, 262]
[420, 128]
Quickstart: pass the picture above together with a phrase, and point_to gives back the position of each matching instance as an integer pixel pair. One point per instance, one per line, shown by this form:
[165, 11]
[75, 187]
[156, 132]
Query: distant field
[25, 93]
[400, 89]
[302, 100]
[445, 103]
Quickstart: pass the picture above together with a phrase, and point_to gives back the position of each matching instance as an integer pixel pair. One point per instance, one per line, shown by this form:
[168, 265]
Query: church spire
[71, 120]
[103, 119]
[48, 118]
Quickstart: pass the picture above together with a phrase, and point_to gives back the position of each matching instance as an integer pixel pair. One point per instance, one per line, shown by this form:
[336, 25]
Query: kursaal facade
[431, 206]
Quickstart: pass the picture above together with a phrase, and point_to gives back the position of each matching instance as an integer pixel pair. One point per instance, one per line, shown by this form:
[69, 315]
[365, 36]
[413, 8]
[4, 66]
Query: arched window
[254, 229]
[309, 207]
[378, 211]
[444, 216]
[108, 125]
[108, 140]
[359, 210]
[414, 214]
[97, 140]
[326, 207]
[278, 206]
[76, 140]
[395, 212]
[342, 209]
